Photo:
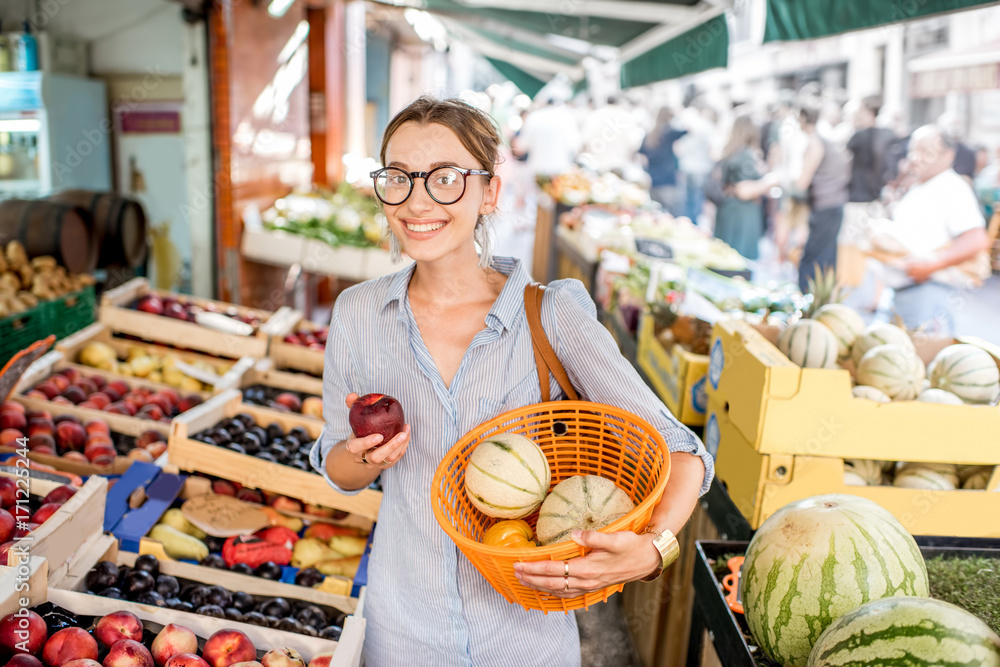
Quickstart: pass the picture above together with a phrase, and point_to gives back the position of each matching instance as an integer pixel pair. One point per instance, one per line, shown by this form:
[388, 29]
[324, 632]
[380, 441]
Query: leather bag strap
[545, 357]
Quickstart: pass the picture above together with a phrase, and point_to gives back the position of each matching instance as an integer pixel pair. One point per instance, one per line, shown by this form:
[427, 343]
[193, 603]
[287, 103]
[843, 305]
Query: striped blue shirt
[426, 604]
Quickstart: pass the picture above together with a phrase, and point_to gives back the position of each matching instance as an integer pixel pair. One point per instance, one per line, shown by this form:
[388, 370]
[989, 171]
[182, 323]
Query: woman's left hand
[615, 558]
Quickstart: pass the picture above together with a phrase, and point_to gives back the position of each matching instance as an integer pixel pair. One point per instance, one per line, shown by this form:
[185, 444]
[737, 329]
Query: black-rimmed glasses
[445, 185]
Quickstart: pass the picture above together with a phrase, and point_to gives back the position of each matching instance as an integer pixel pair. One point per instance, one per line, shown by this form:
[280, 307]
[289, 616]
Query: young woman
[448, 338]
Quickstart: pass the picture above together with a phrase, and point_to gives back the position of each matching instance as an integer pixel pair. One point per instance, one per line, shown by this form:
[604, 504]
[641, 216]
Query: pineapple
[824, 289]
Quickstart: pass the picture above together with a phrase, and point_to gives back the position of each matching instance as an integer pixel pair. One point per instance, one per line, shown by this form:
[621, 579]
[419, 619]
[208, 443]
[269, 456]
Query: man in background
[550, 138]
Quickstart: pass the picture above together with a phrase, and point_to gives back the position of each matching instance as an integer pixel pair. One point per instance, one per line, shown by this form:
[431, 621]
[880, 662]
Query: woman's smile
[422, 228]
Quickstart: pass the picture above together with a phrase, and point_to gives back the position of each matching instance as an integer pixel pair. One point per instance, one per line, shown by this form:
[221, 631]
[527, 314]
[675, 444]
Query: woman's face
[427, 230]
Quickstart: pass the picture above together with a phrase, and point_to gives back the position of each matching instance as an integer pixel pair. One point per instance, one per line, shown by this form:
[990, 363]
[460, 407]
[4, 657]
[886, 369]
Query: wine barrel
[119, 225]
[50, 228]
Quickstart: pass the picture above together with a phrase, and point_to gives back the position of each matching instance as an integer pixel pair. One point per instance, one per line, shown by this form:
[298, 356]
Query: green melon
[845, 324]
[508, 476]
[939, 396]
[907, 632]
[816, 559]
[581, 502]
[967, 371]
[870, 393]
[895, 370]
[879, 334]
[809, 344]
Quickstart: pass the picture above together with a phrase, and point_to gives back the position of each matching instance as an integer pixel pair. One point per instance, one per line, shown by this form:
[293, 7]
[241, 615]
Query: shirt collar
[505, 310]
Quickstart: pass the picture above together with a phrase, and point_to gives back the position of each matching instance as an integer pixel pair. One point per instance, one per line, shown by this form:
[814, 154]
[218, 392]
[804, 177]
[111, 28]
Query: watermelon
[907, 632]
[845, 324]
[967, 371]
[879, 334]
[809, 344]
[816, 559]
[895, 370]
[508, 476]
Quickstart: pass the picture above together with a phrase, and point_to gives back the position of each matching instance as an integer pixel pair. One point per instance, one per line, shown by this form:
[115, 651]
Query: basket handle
[545, 357]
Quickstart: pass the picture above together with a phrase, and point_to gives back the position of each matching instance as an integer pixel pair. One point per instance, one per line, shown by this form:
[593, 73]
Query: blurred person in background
[661, 162]
[965, 156]
[694, 156]
[550, 138]
[940, 228]
[612, 137]
[987, 182]
[739, 220]
[825, 175]
[788, 147]
[868, 149]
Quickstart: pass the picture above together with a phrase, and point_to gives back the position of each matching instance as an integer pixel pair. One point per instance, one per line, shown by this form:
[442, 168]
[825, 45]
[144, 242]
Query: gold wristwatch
[669, 549]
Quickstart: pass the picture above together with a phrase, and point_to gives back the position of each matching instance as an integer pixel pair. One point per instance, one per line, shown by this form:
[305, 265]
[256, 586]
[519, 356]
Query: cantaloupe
[947, 470]
[869, 470]
[923, 478]
[845, 324]
[879, 334]
[809, 344]
[870, 393]
[507, 476]
[585, 502]
[852, 478]
[894, 369]
[967, 371]
[939, 396]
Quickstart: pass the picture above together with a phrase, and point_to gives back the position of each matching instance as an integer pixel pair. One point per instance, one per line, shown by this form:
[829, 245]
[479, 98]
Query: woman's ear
[491, 195]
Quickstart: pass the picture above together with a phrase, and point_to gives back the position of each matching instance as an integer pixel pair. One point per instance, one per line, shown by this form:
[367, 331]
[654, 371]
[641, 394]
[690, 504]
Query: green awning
[808, 19]
[699, 49]
[527, 83]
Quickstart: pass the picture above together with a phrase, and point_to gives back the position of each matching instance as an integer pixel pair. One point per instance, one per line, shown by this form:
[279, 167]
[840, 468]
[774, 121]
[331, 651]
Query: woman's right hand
[376, 455]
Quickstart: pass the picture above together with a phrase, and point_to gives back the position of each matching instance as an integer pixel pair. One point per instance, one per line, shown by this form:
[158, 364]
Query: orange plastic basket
[578, 438]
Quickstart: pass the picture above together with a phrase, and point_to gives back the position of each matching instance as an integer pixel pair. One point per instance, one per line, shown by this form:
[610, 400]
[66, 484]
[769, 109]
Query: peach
[71, 374]
[11, 406]
[322, 660]
[36, 394]
[59, 495]
[103, 459]
[41, 440]
[25, 660]
[62, 400]
[117, 626]
[140, 454]
[173, 640]
[75, 394]
[69, 644]
[100, 450]
[70, 436]
[23, 633]
[186, 660]
[156, 449]
[87, 405]
[97, 426]
[87, 384]
[100, 399]
[61, 382]
[147, 437]
[8, 492]
[150, 411]
[9, 437]
[120, 387]
[313, 407]
[75, 457]
[290, 401]
[13, 420]
[44, 512]
[286, 504]
[128, 653]
[226, 647]
[82, 662]
[282, 657]
[6, 532]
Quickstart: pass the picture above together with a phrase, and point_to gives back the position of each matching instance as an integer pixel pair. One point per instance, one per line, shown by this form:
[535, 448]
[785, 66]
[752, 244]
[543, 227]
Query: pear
[348, 545]
[344, 567]
[308, 551]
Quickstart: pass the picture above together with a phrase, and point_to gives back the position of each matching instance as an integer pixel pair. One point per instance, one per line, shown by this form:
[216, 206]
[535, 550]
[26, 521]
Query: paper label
[224, 516]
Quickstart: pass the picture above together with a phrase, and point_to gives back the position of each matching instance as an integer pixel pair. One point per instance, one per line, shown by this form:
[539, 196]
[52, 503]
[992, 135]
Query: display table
[290, 250]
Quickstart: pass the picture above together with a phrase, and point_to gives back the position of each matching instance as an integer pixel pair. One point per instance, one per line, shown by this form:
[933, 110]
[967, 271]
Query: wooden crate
[264, 373]
[309, 487]
[229, 372]
[23, 585]
[288, 356]
[116, 312]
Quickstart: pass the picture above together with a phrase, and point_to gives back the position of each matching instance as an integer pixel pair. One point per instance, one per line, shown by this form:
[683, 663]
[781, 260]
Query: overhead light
[20, 125]
[277, 8]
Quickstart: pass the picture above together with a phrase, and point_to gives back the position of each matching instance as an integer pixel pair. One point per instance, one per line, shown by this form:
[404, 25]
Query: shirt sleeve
[601, 374]
[964, 213]
[338, 377]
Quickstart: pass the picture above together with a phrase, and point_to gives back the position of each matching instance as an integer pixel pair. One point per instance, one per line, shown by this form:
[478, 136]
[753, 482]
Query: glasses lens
[446, 184]
[392, 186]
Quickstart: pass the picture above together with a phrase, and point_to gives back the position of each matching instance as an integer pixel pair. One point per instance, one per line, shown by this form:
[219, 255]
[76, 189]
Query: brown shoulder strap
[545, 357]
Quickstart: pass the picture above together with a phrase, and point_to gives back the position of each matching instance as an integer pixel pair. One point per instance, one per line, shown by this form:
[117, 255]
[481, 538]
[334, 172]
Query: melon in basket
[879, 334]
[845, 324]
[895, 370]
[809, 344]
[967, 371]
[815, 560]
[907, 631]
[508, 476]
[581, 502]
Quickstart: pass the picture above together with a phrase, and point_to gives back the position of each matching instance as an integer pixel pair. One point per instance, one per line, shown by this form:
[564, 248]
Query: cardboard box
[309, 487]
[117, 313]
[678, 375]
[760, 484]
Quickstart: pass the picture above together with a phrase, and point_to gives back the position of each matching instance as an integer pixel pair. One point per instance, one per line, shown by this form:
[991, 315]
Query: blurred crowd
[797, 182]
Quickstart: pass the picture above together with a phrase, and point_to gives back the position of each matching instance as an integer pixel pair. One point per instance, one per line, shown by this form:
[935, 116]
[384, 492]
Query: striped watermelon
[895, 370]
[809, 344]
[870, 393]
[879, 334]
[845, 324]
[508, 476]
[816, 559]
[585, 502]
[967, 371]
[907, 632]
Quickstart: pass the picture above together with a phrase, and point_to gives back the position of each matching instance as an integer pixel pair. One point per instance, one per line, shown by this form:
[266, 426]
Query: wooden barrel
[119, 225]
[50, 228]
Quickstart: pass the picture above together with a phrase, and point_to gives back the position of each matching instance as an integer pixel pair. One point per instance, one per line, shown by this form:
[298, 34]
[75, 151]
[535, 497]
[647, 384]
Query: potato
[3, 263]
[28, 299]
[27, 275]
[4, 311]
[16, 256]
[44, 263]
[10, 282]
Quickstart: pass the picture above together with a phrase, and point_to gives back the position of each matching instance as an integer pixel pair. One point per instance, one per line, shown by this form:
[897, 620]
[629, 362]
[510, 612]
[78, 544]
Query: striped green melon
[947, 470]
[895, 370]
[852, 478]
[923, 478]
[584, 502]
[809, 344]
[507, 477]
[868, 469]
[870, 393]
[907, 632]
[939, 396]
[845, 324]
[967, 371]
[878, 334]
[816, 559]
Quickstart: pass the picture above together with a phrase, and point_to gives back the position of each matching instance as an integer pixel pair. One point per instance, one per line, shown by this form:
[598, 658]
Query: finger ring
[566, 586]
[364, 457]
[566, 565]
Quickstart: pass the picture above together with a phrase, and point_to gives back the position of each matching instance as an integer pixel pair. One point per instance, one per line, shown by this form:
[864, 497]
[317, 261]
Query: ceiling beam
[627, 10]
[651, 39]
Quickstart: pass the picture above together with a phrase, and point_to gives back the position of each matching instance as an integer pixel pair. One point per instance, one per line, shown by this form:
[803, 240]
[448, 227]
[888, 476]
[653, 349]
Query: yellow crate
[678, 376]
[779, 408]
[760, 484]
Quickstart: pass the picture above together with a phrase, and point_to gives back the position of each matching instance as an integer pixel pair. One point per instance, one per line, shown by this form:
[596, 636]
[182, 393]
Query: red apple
[4, 548]
[282, 657]
[117, 626]
[290, 401]
[59, 495]
[26, 529]
[173, 639]
[8, 492]
[175, 310]
[128, 653]
[186, 660]
[188, 402]
[223, 488]
[70, 436]
[227, 647]
[23, 631]
[376, 413]
[44, 512]
[69, 644]
[322, 660]
[151, 303]
[13, 420]
[250, 496]
[25, 660]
